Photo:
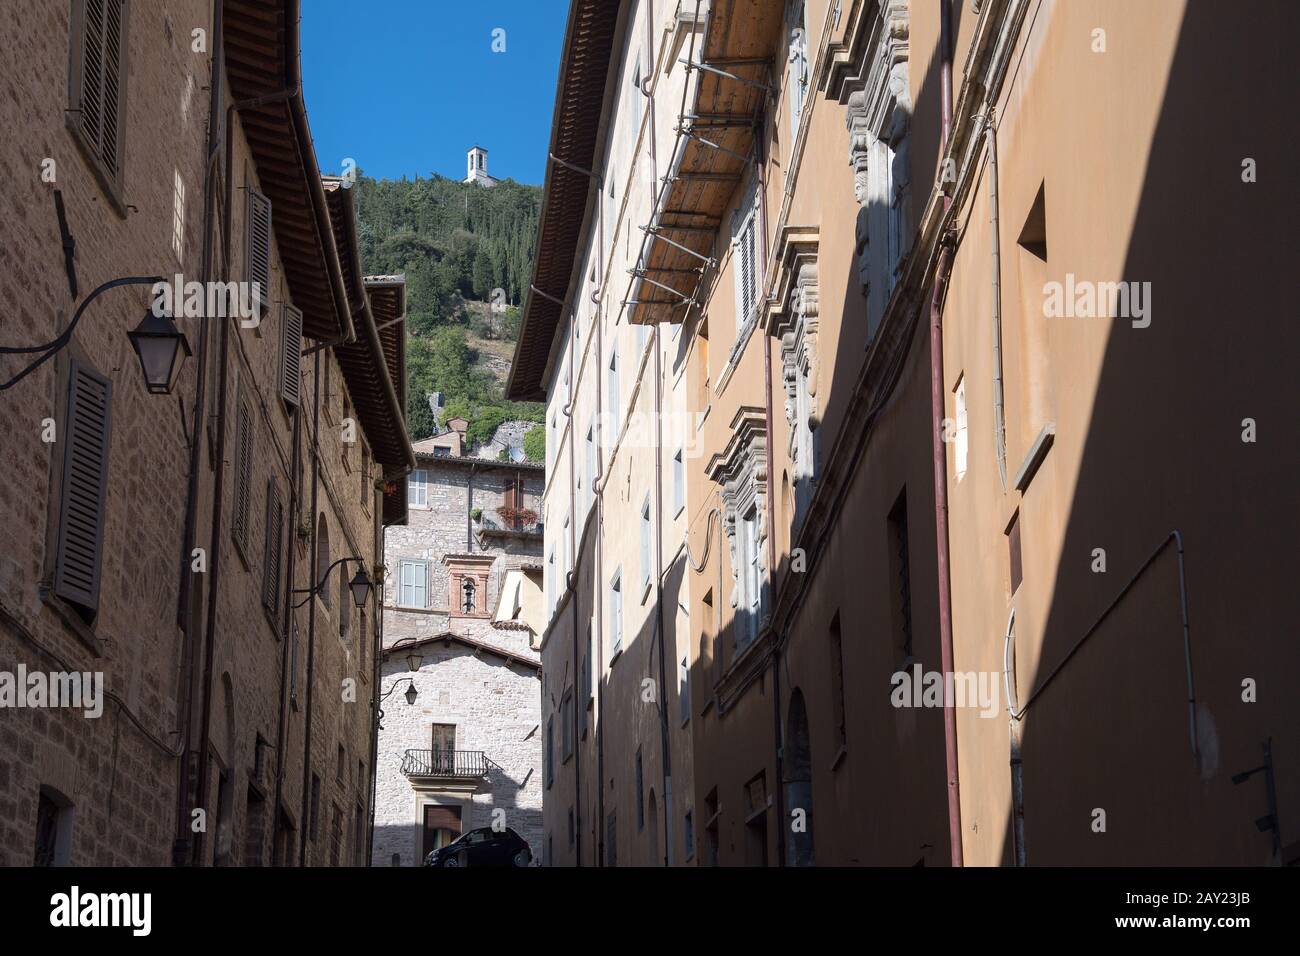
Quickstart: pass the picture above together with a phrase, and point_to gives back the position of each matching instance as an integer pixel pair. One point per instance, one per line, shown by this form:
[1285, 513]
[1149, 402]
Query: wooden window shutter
[243, 473]
[85, 481]
[99, 80]
[291, 356]
[274, 547]
[259, 244]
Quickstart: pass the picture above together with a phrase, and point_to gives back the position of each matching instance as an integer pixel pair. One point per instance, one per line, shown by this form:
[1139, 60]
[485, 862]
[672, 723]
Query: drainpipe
[295, 505]
[939, 453]
[999, 421]
[305, 822]
[186, 688]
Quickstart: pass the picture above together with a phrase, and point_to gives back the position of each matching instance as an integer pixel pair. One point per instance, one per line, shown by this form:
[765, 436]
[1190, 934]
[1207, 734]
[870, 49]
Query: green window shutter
[85, 484]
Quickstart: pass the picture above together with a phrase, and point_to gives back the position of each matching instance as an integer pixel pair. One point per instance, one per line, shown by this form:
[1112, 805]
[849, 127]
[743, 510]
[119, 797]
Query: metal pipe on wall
[939, 453]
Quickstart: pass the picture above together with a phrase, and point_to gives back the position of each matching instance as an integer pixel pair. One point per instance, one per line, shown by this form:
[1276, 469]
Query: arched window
[322, 557]
[469, 591]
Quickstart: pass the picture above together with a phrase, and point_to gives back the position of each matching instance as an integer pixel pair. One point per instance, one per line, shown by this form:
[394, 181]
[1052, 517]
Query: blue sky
[405, 87]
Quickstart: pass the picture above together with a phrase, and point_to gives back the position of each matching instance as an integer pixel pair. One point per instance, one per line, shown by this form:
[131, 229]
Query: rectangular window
[900, 575]
[366, 491]
[291, 356]
[548, 762]
[611, 840]
[418, 489]
[1013, 551]
[550, 583]
[646, 570]
[612, 395]
[85, 486]
[342, 764]
[566, 732]
[315, 807]
[591, 464]
[679, 482]
[293, 674]
[688, 835]
[259, 248]
[53, 829]
[751, 579]
[98, 81]
[640, 792]
[683, 690]
[413, 583]
[243, 474]
[178, 214]
[744, 262]
[798, 60]
[837, 681]
[273, 547]
[572, 829]
[616, 614]
[589, 663]
[960, 443]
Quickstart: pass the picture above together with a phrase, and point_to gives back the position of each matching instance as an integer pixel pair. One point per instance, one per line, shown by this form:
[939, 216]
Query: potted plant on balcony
[476, 514]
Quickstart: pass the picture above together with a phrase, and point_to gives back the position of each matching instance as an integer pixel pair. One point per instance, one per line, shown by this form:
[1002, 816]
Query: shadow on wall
[1164, 450]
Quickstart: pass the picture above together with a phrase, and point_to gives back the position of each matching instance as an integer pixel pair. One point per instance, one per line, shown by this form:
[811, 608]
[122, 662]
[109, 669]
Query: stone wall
[494, 704]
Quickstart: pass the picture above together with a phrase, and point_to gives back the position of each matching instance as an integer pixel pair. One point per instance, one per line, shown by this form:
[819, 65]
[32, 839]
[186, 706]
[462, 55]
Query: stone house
[174, 543]
[462, 603]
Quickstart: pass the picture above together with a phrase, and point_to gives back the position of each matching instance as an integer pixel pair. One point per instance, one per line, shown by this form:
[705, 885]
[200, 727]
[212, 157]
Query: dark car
[483, 847]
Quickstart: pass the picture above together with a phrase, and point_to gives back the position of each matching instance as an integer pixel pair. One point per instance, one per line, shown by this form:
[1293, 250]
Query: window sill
[80, 629]
[111, 187]
[618, 652]
[273, 621]
[645, 591]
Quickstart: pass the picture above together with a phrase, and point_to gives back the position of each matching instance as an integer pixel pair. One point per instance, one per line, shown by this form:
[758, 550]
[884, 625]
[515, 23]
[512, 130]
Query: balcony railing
[445, 763]
[491, 526]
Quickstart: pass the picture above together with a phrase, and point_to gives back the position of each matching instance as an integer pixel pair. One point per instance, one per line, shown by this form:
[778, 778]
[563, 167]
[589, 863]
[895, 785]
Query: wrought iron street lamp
[360, 585]
[159, 344]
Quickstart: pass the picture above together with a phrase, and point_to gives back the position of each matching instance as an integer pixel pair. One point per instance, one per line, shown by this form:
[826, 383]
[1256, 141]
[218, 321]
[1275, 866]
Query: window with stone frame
[797, 56]
[744, 257]
[794, 320]
[874, 85]
[741, 471]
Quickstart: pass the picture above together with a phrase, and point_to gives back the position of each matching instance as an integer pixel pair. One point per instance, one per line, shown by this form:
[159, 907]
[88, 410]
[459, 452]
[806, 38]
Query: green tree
[535, 444]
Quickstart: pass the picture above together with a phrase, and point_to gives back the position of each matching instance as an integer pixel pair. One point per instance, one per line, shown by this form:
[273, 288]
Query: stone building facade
[841, 259]
[237, 718]
[461, 591]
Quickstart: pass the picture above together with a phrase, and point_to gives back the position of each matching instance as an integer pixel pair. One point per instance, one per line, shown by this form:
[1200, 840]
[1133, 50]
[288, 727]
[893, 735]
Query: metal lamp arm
[324, 577]
[396, 684]
[52, 347]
